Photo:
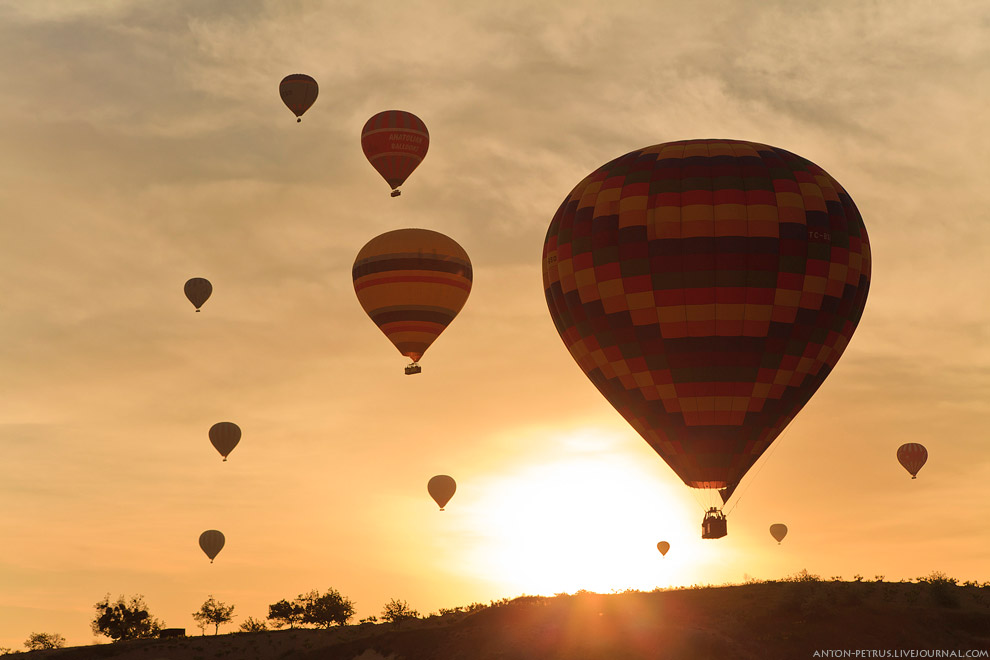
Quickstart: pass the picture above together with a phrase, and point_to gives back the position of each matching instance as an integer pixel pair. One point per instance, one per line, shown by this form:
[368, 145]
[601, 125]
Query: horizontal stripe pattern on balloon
[412, 283]
[707, 288]
[395, 143]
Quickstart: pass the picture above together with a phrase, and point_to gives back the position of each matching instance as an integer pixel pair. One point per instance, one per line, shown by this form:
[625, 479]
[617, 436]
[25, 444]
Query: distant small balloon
[441, 488]
[225, 436]
[198, 291]
[663, 547]
[778, 531]
[913, 457]
[211, 542]
[298, 92]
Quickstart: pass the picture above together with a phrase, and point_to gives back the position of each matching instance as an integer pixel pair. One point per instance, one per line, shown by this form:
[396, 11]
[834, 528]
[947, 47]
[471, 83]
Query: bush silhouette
[122, 620]
[42, 641]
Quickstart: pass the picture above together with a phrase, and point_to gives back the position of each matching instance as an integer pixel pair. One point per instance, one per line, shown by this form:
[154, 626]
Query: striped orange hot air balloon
[412, 283]
[913, 457]
[298, 92]
[395, 142]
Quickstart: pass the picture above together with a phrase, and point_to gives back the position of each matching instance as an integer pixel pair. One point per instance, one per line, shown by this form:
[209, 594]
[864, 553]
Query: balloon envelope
[441, 489]
[211, 541]
[225, 436]
[663, 547]
[298, 92]
[198, 291]
[913, 457]
[778, 531]
[707, 288]
[395, 143]
[412, 283]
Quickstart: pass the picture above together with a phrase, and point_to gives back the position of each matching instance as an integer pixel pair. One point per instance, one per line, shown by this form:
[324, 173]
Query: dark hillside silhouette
[786, 619]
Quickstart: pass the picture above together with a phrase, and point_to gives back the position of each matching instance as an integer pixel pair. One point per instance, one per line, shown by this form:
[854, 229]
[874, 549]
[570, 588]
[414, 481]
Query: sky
[142, 144]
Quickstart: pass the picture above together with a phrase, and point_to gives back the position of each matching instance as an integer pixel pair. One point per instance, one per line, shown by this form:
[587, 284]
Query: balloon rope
[700, 502]
[773, 448]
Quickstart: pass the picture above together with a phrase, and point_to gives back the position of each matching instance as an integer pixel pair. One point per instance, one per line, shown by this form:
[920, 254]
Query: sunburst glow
[588, 519]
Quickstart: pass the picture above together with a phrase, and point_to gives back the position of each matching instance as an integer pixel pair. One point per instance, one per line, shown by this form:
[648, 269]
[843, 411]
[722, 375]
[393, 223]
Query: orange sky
[144, 144]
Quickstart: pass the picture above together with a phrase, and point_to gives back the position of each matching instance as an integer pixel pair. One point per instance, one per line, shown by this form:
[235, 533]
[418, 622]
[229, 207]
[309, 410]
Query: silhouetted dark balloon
[663, 547]
[225, 436]
[778, 531]
[441, 489]
[211, 542]
[198, 291]
[298, 92]
[913, 457]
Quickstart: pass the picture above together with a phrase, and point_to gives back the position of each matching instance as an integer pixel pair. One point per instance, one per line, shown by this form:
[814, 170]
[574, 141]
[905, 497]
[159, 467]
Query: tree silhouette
[251, 624]
[215, 612]
[396, 611]
[122, 620]
[42, 641]
[327, 609]
[284, 613]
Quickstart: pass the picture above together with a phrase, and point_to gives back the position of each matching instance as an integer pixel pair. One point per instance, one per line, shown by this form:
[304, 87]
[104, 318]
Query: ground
[764, 621]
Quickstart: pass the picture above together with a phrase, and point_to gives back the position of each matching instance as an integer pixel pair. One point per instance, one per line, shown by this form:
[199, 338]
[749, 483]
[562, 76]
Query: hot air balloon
[225, 436]
[778, 531]
[211, 541]
[395, 142]
[412, 283]
[707, 288]
[198, 291]
[298, 92]
[441, 489]
[913, 457]
[663, 547]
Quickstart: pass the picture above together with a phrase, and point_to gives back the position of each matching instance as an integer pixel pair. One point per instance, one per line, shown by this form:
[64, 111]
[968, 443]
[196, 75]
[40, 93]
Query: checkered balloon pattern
[707, 288]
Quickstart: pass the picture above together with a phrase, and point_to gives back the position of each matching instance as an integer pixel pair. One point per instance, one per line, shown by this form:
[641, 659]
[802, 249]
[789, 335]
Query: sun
[586, 516]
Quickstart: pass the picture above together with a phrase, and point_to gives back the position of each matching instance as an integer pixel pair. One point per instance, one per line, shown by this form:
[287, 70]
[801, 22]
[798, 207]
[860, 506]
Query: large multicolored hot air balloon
[913, 457]
[778, 531]
[395, 142]
[707, 288]
[663, 547]
[211, 542]
[225, 436]
[298, 92]
[198, 291]
[441, 489]
[412, 283]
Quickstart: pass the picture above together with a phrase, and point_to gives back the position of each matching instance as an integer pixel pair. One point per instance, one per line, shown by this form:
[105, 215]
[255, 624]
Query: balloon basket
[396, 193]
[413, 369]
[714, 525]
